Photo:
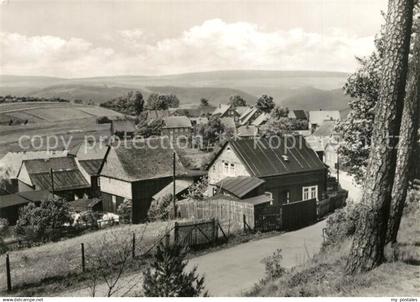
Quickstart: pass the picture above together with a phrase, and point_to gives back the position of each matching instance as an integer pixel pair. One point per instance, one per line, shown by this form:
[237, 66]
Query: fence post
[167, 238]
[82, 245]
[214, 230]
[9, 280]
[133, 250]
[176, 233]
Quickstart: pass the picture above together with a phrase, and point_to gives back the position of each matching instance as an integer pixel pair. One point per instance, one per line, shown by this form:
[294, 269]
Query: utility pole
[338, 168]
[52, 181]
[173, 179]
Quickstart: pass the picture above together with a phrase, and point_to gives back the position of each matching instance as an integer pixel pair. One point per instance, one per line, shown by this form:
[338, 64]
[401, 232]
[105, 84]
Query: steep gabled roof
[248, 114]
[12, 161]
[298, 114]
[261, 119]
[177, 122]
[287, 154]
[91, 166]
[141, 160]
[241, 109]
[23, 198]
[66, 174]
[221, 109]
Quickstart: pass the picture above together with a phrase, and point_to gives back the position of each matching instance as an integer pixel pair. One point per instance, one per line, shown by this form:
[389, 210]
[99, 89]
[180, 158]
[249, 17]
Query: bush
[125, 211]
[273, 267]
[4, 227]
[45, 222]
[166, 276]
[160, 209]
[342, 224]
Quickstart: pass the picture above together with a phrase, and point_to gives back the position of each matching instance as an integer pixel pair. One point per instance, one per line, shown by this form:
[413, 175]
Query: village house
[241, 109]
[123, 128]
[12, 162]
[224, 111]
[137, 172]
[89, 156]
[261, 120]
[249, 116]
[324, 136]
[178, 129]
[290, 172]
[65, 181]
[247, 131]
[297, 115]
[317, 118]
[11, 204]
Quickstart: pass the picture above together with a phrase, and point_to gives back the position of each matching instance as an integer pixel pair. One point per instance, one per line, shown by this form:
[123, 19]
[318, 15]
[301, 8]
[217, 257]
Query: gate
[197, 234]
[268, 219]
[299, 214]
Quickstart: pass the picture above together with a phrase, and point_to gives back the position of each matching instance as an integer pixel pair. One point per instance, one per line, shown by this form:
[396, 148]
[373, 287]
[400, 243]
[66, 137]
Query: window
[226, 167]
[232, 168]
[310, 193]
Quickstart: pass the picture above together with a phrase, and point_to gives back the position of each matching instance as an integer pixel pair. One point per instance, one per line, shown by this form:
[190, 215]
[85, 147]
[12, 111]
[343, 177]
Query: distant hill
[297, 89]
[308, 97]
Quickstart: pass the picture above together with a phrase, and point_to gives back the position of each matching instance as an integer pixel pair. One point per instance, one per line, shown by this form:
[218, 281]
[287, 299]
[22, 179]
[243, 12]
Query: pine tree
[369, 239]
[166, 276]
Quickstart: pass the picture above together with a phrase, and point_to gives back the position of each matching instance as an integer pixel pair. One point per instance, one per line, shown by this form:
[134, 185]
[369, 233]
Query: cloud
[213, 45]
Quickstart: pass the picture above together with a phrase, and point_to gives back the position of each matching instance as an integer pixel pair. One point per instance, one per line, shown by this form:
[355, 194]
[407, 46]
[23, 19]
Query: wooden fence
[229, 213]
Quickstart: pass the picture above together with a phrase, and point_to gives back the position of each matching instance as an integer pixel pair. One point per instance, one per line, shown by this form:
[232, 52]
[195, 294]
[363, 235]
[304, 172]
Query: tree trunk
[369, 239]
[406, 144]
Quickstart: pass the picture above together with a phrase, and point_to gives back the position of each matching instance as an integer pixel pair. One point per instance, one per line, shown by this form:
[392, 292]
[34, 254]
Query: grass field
[68, 121]
[59, 259]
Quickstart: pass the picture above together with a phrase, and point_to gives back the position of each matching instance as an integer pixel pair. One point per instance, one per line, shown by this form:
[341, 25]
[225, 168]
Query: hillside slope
[309, 90]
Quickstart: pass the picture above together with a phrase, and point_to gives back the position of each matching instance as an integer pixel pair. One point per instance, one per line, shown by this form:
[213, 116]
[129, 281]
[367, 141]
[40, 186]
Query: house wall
[143, 192]
[217, 170]
[24, 176]
[181, 133]
[294, 183]
[23, 187]
[330, 157]
[116, 187]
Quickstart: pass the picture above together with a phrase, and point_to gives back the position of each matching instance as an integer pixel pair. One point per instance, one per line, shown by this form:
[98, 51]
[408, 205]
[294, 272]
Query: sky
[84, 38]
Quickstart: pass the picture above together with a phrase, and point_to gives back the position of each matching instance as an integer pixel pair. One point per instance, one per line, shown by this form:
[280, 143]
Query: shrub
[273, 267]
[342, 224]
[196, 191]
[45, 222]
[166, 276]
[160, 209]
[4, 227]
[125, 211]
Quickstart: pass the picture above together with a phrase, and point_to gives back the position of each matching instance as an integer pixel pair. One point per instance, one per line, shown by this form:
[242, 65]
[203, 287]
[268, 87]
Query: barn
[137, 171]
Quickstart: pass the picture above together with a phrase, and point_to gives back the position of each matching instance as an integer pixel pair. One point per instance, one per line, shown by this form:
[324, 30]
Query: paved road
[347, 182]
[229, 272]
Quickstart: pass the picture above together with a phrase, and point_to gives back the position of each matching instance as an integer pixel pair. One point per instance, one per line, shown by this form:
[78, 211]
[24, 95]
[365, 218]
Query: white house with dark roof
[291, 172]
